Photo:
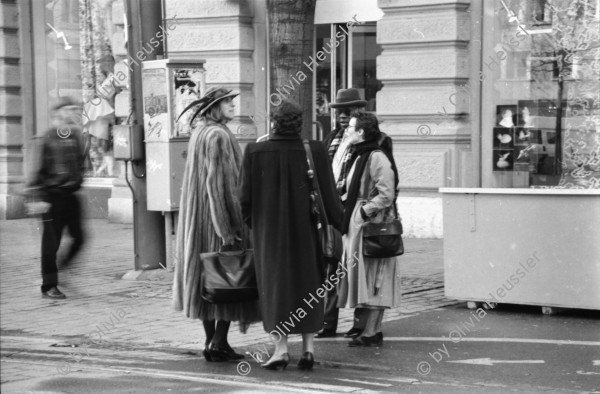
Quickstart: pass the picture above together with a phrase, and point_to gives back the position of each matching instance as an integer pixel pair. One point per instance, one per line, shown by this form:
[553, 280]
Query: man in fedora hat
[347, 100]
[340, 151]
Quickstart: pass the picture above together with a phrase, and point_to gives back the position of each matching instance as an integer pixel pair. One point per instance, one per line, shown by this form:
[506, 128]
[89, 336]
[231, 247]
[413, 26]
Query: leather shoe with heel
[277, 361]
[54, 294]
[206, 354]
[307, 361]
[217, 353]
[375, 340]
[326, 333]
[353, 332]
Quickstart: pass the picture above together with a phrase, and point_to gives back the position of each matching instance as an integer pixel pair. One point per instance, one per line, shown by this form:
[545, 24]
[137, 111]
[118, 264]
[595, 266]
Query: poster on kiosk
[169, 86]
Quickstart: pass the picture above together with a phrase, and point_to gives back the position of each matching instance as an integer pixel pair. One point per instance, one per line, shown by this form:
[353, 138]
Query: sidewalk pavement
[104, 308]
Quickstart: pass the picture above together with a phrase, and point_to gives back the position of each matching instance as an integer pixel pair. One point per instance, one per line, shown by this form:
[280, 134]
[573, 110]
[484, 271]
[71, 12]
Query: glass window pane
[546, 84]
[364, 68]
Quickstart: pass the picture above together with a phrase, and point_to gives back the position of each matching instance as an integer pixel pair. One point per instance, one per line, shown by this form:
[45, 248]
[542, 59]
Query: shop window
[541, 81]
[74, 58]
[351, 64]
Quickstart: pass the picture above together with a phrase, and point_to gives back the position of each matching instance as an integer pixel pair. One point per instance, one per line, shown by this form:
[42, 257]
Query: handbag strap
[312, 175]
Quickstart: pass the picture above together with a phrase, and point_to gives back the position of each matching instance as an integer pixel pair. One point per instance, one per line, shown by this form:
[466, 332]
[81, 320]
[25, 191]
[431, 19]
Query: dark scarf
[362, 151]
[335, 142]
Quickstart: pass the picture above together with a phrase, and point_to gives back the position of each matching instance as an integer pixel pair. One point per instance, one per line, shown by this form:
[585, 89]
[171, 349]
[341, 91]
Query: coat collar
[284, 137]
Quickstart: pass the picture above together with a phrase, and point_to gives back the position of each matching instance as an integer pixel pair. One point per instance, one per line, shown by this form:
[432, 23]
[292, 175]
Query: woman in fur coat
[209, 218]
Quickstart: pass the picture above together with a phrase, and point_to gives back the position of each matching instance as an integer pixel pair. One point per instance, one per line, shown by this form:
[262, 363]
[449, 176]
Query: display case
[514, 246]
[169, 86]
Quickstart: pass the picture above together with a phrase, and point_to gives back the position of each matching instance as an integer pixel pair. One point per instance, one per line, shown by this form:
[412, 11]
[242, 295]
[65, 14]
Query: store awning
[342, 11]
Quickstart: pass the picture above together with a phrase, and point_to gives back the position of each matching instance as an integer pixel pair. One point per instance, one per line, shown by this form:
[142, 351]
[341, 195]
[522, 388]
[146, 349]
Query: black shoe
[276, 362]
[375, 340]
[353, 333]
[54, 294]
[217, 354]
[206, 354]
[307, 361]
[326, 333]
[232, 354]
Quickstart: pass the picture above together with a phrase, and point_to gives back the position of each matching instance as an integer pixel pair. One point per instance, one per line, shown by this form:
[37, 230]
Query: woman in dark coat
[275, 204]
[210, 217]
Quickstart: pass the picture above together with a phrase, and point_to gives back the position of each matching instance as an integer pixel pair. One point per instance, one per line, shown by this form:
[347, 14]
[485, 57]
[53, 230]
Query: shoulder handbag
[383, 240]
[329, 238]
[228, 277]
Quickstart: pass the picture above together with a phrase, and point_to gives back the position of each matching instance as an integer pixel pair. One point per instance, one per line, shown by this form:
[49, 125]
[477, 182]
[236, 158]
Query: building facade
[474, 94]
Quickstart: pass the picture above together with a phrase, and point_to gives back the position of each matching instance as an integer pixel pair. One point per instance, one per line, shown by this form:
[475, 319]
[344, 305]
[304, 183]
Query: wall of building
[16, 101]
[425, 58]
[230, 36]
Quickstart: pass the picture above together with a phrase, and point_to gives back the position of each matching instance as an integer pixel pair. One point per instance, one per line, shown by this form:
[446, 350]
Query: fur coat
[209, 217]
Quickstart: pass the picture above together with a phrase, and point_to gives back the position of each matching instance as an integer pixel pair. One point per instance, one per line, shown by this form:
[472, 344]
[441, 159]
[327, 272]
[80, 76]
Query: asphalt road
[450, 350]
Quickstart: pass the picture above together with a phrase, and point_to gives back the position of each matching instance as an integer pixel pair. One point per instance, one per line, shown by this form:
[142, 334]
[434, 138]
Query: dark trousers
[65, 210]
[331, 309]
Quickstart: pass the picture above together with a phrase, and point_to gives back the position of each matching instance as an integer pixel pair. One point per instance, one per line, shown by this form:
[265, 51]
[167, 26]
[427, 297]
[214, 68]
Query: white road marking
[587, 373]
[227, 380]
[473, 339]
[488, 361]
[363, 382]
[595, 362]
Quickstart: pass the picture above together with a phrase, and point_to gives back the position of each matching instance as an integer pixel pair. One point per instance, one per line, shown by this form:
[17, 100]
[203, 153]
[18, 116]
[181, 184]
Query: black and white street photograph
[299, 196]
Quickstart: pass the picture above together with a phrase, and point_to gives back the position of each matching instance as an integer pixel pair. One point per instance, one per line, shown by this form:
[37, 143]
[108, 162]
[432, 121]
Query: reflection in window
[546, 92]
[364, 68]
[81, 66]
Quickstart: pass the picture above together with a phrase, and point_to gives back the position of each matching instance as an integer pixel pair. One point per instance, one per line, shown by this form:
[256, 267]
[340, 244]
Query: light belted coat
[357, 288]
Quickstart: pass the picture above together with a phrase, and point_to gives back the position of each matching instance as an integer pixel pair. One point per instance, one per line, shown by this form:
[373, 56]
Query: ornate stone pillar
[16, 101]
[425, 58]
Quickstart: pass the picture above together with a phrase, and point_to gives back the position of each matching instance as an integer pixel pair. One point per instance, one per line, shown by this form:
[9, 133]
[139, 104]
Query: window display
[543, 85]
[75, 58]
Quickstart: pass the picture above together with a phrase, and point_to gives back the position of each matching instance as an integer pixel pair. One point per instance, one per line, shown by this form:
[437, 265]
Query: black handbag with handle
[383, 240]
[228, 277]
[330, 239]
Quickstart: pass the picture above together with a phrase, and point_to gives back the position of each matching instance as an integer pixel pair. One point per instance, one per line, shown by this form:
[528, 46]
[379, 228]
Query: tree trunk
[291, 26]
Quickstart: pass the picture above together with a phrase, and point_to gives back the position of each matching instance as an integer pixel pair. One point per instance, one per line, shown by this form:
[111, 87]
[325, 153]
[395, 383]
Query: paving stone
[96, 294]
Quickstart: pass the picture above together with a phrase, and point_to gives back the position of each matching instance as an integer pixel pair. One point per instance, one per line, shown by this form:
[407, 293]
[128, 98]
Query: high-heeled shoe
[307, 361]
[276, 362]
[217, 354]
[206, 354]
[232, 354]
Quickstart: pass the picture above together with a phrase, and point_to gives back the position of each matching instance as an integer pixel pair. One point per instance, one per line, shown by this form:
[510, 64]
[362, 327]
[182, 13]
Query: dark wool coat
[209, 216]
[275, 203]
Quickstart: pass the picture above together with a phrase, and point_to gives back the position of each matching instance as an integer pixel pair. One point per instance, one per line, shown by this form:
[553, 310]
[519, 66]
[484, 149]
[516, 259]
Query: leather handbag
[383, 240]
[228, 277]
[330, 240]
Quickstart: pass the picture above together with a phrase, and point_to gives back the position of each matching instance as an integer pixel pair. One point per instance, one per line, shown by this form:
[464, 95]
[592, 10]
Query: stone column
[425, 59]
[16, 100]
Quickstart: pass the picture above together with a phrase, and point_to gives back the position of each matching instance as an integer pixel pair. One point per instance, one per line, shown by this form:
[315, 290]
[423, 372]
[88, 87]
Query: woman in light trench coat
[369, 194]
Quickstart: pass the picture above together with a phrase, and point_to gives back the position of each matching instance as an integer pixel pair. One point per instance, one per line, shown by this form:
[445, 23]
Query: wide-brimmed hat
[211, 97]
[62, 102]
[348, 98]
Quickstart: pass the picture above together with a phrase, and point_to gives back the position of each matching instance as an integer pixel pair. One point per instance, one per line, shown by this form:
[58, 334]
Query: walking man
[54, 175]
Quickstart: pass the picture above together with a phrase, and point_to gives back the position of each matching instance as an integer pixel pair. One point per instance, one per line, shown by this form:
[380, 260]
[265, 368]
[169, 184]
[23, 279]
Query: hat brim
[355, 103]
[230, 94]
